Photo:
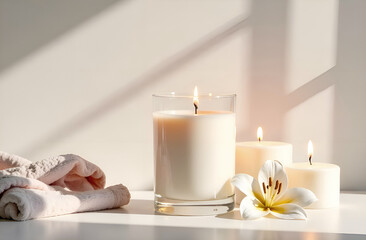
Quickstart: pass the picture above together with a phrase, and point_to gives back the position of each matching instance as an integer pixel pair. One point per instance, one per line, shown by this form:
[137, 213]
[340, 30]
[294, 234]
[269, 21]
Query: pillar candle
[323, 179]
[250, 156]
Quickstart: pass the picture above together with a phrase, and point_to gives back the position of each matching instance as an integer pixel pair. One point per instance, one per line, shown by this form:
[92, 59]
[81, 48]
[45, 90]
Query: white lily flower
[269, 195]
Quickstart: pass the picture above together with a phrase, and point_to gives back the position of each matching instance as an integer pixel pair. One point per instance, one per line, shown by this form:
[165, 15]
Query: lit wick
[195, 108]
[310, 151]
[259, 134]
[195, 100]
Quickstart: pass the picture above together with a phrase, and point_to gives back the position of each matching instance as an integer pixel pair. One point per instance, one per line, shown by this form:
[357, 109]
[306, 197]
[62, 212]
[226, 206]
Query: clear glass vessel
[194, 153]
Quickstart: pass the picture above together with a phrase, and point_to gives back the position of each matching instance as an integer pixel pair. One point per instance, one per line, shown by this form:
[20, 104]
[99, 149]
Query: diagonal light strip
[310, 89]
[169, 65]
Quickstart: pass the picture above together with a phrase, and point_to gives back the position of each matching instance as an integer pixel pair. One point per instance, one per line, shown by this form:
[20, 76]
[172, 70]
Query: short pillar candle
[323, 179]
[250, 156]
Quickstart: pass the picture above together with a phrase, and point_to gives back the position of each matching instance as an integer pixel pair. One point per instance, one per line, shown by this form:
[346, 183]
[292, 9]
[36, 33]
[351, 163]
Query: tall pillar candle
[323, 179]
[194, 158]
[250, 156]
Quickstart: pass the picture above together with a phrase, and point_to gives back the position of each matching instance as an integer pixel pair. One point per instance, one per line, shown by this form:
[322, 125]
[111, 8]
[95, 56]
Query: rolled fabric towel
[31, 190]
[10, 161]
[68, 170]
[23, 204]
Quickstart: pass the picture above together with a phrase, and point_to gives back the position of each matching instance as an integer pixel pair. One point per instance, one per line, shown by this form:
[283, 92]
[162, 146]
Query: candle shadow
[233, 215]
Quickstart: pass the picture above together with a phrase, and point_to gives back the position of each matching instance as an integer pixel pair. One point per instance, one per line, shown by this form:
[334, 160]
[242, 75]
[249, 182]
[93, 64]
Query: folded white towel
[25, 193]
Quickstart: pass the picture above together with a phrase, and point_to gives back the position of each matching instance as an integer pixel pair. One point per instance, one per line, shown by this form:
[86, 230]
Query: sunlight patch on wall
[312, 119]
[312, 40]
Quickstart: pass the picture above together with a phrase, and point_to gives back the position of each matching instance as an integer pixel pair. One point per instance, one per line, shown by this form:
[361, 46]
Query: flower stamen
[279, 188]
[270, 181]
[276, 185]
[268, 199]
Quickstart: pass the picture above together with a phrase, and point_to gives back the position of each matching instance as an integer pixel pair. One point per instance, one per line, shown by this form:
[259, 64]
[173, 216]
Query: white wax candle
[323, 179]
[195, 154]
[250, 156]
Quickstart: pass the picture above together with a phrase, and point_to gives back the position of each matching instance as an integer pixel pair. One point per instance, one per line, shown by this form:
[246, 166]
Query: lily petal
[288, 211]
[248, 185]
[275, 170]
[299, 196]
[252, 209]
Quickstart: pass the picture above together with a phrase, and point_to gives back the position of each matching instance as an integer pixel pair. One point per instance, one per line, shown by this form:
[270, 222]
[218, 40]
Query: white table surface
[138, 221]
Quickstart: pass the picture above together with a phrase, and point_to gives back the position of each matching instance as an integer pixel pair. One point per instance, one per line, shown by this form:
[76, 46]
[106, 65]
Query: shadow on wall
[146, 79]
[268, 67]
[349, 144]
[31, 24]
[268, 71]
[268, 74]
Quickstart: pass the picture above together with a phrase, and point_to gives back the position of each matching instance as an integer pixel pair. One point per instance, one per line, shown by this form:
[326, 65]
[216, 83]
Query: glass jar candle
[194, 153]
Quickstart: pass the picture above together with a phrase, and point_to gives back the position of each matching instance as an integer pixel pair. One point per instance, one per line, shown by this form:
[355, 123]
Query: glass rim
[205, 95]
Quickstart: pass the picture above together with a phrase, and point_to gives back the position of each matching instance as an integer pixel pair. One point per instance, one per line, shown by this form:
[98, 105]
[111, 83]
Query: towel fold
[33, 190]
[69, 171]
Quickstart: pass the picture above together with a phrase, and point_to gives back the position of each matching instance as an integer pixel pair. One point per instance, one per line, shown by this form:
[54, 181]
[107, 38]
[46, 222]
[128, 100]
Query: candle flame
[195, 99]
[260, 134]
[310, 151]
[195, 95]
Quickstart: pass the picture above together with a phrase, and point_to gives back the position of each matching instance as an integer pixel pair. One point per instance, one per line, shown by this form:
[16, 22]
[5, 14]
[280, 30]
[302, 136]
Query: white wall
[77, 76]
